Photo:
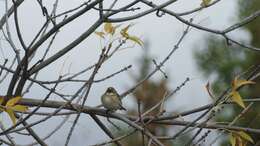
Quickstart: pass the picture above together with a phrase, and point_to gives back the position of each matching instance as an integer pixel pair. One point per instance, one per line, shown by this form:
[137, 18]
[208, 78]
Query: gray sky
[162, 34]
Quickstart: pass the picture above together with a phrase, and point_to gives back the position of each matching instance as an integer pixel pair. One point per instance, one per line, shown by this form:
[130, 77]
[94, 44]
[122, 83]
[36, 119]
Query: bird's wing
[118, 100]
[118, 96]
[115, 98]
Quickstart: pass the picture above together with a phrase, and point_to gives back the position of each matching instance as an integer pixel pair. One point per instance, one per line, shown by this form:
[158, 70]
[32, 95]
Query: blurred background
[202, 57]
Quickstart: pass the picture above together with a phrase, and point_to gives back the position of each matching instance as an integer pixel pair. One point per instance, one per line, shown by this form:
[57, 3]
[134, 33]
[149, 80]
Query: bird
[111, 100]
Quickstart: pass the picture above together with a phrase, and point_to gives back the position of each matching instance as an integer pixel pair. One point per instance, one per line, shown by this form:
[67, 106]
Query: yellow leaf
[2, 109]
[205, 3]
[11, 115]
[124, 31]
[235, 96]
[124, 34]
[13, 101]
[232, 140]
[20, 108]
[238, 83]
[100, 34]
[245, 136]
[240, 141]
[1, 100]
[109, 28]
[136, 40]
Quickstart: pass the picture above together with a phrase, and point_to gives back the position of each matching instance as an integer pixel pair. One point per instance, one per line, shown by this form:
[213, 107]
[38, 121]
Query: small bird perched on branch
[111, 100]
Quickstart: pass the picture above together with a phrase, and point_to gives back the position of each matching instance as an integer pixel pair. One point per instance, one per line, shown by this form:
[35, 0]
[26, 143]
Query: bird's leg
[118, 128]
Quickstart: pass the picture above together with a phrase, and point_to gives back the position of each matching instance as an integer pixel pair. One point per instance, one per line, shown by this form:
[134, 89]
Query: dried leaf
[208, 90]
[100, 34]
